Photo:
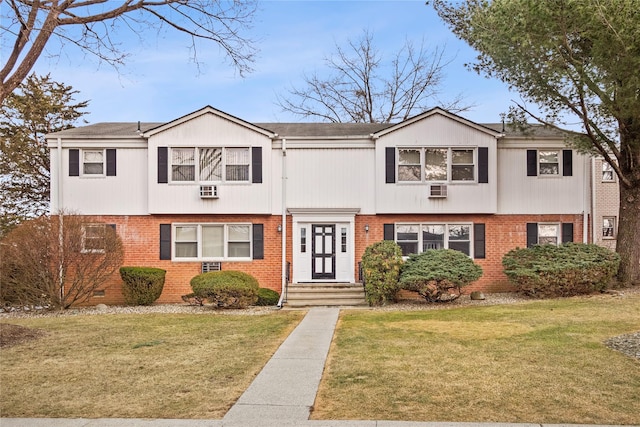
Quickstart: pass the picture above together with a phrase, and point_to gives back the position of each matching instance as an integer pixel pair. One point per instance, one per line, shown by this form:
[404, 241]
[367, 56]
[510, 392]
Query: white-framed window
[549, 234]
[211, 242]
[609, 227]
[94, 238]
[608, 175]
[93, 162]
[548, 163]
[417, 238]
[437, 164]
[210, 164]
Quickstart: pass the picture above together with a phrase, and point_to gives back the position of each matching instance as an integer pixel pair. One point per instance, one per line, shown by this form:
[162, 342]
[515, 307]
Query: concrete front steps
[325, 294]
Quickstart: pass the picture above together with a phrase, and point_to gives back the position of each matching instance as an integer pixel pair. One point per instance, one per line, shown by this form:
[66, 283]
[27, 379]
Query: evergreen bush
[559, 271]
[267, 297]
[439, 275]
[226, 289]
[142, 285]
[381, 263]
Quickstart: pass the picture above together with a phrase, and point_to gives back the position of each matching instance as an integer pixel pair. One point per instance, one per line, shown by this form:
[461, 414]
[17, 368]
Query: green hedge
[267, 297]
[226, 289]
[142, 285]
[381, 263]
[439, 275]
[565, 270]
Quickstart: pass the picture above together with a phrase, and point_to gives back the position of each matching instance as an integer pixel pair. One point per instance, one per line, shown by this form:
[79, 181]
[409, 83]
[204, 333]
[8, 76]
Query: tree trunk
[628, 244]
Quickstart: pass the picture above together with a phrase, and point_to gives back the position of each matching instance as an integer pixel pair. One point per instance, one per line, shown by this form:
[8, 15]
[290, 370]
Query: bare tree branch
[32, 24]
[362, 88]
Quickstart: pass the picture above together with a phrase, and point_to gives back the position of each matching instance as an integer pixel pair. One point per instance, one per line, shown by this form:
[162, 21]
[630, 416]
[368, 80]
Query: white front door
[323, 251]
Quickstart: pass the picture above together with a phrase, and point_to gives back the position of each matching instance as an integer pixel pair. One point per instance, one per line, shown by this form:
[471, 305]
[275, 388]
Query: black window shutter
[112, 226]
[256, 165]
[258, 241]
[532, 234]
[567, 232]
[165, 241]
[389, 232]
[532, 163]
[111, 162]
[567, 162]
[74, 162]
[483, 165]
[163, 165]
[478, 241]
[390, 165]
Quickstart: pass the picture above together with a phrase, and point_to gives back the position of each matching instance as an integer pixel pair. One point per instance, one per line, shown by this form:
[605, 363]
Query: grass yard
[541, 362]
[147, 366]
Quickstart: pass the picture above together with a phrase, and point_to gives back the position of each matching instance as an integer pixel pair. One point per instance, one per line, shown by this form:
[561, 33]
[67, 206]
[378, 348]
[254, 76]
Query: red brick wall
[503, 233]
[141, 237]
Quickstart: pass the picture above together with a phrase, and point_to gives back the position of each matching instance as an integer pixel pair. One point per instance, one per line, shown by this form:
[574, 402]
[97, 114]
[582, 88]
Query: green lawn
[147, 366]
[542, 362]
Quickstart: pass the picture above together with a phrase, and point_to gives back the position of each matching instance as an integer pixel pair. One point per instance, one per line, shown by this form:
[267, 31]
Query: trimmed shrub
[142, 285]
[267, 297]
[381, 263]
[439, 275]
[226, 289]
[559, 271]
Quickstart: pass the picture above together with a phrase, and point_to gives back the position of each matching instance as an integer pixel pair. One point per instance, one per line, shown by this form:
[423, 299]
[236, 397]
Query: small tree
[381, 263]
[439, 275]
[57, 261]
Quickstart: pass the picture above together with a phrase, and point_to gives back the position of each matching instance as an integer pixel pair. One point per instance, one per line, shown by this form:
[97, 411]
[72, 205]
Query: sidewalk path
[286, 387]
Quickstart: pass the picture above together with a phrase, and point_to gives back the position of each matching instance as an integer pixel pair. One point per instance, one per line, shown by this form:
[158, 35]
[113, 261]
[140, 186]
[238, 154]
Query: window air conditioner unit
[437, 191]
[208, 191]
[211, 266]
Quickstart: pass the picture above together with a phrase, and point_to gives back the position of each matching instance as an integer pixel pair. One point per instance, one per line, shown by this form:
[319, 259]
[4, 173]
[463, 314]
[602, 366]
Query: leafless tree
[57, 261]
[362, 88]
[26, 28]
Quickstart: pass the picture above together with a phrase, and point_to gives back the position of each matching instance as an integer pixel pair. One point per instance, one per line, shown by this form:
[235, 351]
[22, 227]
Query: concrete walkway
[282, 394]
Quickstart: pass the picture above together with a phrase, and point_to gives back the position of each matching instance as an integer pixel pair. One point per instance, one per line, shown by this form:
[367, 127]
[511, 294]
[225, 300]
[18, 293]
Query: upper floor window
[212, 241]
[417, 238]
[211, 164]
[608, 174]
[548, 163]
[93, 162]
[436, 164]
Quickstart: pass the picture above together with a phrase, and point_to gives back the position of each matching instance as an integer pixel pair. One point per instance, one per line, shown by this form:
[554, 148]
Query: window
[607, 172]
[93, 162]
[609, 227]
[343, 239]
[548, 163]
[94, 238]
[183, 166]
[212, 241]
[303, 240]
[438, 164]
[210, 164]
[409, 165]
[415, 238]
[548, 234]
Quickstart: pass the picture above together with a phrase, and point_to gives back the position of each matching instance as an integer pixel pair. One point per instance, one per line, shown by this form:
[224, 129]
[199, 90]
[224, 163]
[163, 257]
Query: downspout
[60, 222]
[585, 207]
[284, 223]
[593, 200]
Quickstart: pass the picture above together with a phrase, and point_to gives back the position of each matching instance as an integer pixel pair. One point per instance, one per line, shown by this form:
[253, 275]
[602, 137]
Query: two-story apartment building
[303, 200]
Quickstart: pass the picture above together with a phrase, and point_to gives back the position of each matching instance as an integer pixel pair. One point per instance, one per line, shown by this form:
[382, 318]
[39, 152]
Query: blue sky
[159, 81]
